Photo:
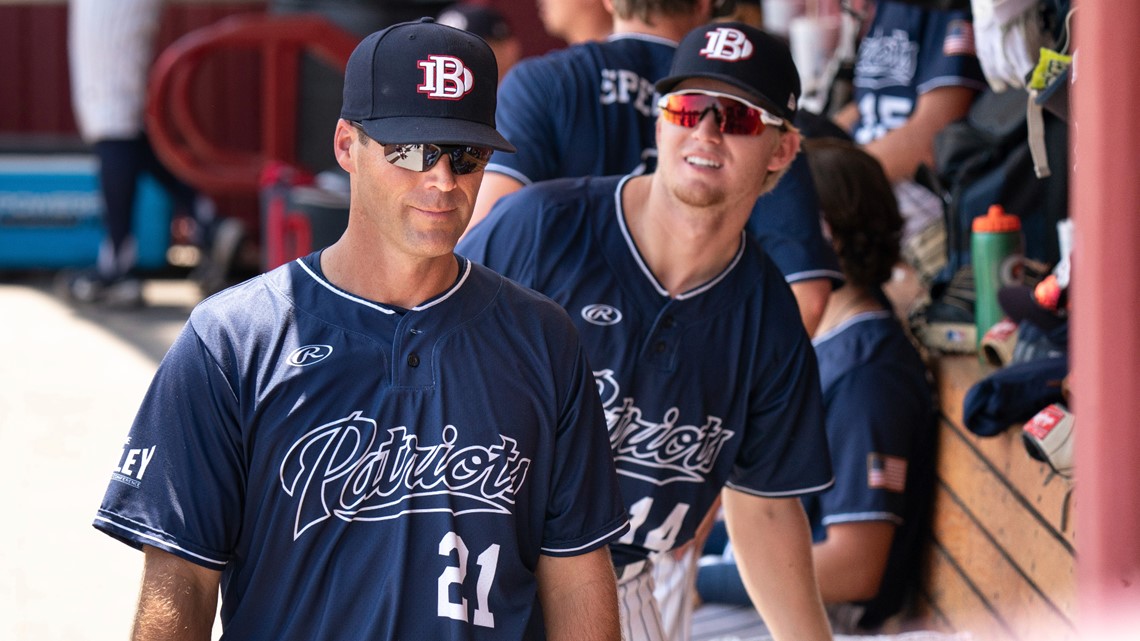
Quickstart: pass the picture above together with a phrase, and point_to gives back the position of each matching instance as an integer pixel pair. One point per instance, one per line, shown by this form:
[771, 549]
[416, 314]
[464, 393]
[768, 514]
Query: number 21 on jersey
[488, 562]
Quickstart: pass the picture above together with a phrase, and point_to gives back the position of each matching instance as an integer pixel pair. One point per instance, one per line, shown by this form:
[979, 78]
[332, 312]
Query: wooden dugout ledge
[999, 563]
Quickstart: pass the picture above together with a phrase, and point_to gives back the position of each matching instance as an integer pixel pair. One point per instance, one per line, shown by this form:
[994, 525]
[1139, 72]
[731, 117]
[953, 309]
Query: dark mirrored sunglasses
[465, 159]
[733, 115]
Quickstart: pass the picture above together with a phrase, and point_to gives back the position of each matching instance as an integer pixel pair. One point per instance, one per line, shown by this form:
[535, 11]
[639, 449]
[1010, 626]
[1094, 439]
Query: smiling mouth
[702, 162]
[435, 213]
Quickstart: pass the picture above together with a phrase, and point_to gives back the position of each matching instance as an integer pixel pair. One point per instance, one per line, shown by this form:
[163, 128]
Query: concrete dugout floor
[70, 382]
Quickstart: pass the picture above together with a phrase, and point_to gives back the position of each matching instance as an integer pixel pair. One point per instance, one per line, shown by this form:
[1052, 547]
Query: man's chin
[700, 196]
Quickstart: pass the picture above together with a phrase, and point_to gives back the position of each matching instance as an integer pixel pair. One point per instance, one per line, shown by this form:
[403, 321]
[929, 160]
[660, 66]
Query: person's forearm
[772, 545]
[811, 297]
[846, 117]
[850, 563]
[177, 602]
[903, 149]
[579, 597]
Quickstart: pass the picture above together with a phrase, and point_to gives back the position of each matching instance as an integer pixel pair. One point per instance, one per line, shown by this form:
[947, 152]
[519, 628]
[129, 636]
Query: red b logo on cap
[727, 44]
[445, 78]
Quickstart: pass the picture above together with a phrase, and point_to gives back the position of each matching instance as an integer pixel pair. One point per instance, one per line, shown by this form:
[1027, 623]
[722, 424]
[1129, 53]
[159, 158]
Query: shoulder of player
[547, 200]
[514, 298]
[549, 67]
[590, 57]
[900, 14]
[872, 356]
[758, 266]
[239, 298]
[847, 350]
[240, 309]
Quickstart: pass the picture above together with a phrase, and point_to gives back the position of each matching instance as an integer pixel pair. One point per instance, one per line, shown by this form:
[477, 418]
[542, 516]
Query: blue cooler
[51, 214]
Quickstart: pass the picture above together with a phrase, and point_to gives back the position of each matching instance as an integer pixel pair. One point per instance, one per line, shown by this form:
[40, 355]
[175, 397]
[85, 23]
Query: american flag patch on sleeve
[959, 39]
[886, 472]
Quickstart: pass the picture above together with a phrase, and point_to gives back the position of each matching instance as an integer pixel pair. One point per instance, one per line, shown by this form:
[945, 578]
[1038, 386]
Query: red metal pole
[1105, 208]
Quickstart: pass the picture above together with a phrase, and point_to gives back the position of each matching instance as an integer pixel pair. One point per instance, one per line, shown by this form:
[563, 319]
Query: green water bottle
[995, 245]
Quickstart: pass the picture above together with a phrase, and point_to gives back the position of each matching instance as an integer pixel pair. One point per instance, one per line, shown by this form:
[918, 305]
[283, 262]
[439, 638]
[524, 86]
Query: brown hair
[859, 206]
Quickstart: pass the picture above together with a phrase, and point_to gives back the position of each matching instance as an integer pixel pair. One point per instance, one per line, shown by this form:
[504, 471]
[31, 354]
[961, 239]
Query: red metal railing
[177, 135]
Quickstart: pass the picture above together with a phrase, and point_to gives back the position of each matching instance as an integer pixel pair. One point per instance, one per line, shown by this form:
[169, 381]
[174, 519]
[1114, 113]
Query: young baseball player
[706, 373]
[382, 440]
[590, 109]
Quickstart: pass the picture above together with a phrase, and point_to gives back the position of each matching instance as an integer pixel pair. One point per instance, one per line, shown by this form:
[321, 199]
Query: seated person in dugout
[880, 413]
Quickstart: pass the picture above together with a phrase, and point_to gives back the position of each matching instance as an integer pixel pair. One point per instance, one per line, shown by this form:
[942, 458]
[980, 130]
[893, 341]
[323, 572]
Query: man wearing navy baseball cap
[400, 92]
[380, 440]
[707, 374]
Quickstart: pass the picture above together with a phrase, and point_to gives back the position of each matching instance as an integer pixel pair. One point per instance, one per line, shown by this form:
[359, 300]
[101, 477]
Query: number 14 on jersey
[661, 538]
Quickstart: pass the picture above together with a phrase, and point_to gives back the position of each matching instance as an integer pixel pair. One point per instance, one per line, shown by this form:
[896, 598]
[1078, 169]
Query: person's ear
[786, 150]
[343, 138]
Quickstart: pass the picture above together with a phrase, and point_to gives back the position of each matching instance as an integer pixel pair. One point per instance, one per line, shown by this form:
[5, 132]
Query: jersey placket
[412, 353]
[660, 346]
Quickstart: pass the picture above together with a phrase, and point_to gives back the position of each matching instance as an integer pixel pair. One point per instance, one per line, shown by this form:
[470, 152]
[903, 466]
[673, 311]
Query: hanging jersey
[711, 387]
[908, 51]
[375, 472]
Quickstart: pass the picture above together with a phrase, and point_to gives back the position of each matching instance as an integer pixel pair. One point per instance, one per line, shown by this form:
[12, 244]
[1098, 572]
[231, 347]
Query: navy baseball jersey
[881, 430]
[908, 51]
[711, 387]
[359, 471]
[591, 110]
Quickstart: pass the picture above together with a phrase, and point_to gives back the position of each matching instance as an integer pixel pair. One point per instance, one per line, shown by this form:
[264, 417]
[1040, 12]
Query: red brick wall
[35, 102]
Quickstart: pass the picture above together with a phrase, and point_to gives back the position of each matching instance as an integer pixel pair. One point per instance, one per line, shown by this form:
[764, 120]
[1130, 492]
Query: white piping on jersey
[950, 81]
[696, 291]
[641, 36]
[811, 274]
[876, 83]
[862, 517]
[367, 303]
[608, 535]
[454, 288]
[164, 543]
[804, 490]
[508, 171]
[861, 317]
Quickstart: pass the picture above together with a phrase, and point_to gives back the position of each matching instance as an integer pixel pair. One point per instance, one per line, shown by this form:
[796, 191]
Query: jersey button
[668, 322]
[659, 347]
[413, 360]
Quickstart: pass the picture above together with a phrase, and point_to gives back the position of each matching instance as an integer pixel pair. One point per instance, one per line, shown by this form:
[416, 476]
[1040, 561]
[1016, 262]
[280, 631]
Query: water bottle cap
[997, 220]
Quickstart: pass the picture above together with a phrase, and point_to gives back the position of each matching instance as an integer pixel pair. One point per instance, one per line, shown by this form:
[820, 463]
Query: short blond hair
[774, 177]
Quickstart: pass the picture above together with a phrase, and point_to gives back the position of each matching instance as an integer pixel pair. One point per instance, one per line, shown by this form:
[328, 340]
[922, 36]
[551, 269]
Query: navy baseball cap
[424, 83]
[743, 56]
